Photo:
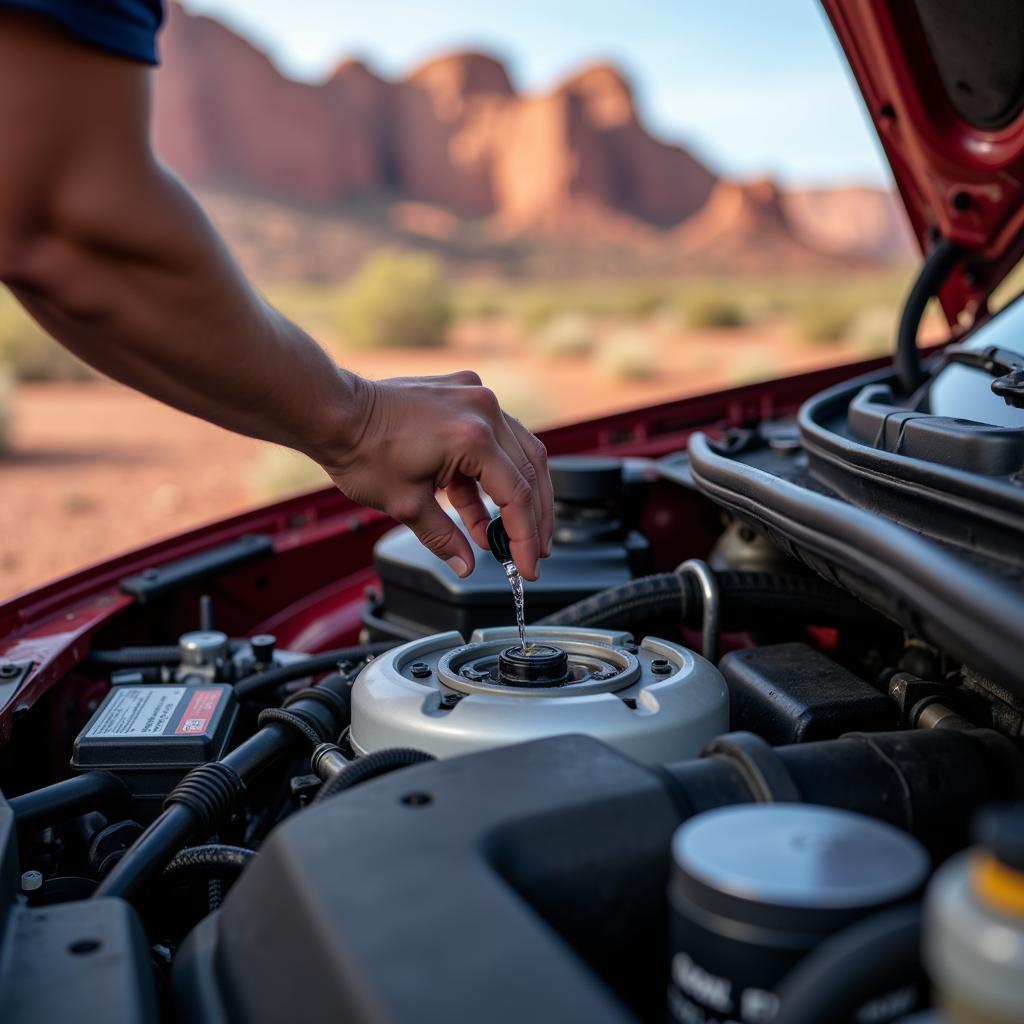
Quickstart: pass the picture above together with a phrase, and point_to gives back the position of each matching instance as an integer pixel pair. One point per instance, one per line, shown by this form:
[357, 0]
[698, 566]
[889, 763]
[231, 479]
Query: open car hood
[944, 84]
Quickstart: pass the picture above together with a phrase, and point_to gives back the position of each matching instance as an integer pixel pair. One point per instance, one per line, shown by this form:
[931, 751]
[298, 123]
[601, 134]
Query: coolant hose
[91, 791]
[211, 859]
[381, 762]
[747, 599]
[872, 958]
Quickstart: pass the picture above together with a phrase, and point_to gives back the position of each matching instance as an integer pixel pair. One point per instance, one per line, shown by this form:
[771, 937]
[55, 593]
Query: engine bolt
[630, 648]
[420, 669]
[603, 674]
[31, 880]
[473, 675]
[8, 671]
[661, 667]
[449, 700]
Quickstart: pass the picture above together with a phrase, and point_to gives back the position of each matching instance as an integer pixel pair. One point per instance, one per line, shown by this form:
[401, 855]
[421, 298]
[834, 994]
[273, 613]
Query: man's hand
[414, 436]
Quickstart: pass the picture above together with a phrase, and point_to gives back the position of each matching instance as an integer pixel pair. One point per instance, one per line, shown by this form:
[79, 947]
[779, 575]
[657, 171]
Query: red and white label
[196, 718]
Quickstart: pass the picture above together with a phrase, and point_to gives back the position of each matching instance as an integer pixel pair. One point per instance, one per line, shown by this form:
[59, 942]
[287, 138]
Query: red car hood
[944, 84]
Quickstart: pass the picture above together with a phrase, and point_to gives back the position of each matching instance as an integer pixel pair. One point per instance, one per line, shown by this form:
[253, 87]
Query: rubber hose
[213, 858]
[135, 657]
[253, 685]
[937, 267]
[747, 597]
[871, 958]
[369, 767]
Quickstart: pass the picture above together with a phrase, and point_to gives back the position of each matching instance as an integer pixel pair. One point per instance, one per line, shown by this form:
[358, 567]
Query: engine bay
[732, 771]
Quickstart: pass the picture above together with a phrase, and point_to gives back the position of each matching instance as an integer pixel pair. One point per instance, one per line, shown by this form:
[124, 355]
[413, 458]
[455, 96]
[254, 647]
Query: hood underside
[943, 81]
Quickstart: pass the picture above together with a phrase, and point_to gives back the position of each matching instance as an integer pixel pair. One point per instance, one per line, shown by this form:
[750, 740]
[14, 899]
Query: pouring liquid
[516, 582]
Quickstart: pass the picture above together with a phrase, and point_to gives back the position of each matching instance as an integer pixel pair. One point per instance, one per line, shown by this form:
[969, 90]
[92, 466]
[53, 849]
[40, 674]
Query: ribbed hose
[369, 767]
[748, 599]
[213, 858]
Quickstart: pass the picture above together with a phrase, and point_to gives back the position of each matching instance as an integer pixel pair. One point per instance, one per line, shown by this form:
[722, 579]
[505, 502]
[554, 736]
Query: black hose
[211, 859]
[936, 269]
[381, 762]
[92, 791]
[263, 681]
[874, 957]
[180, 821]
[747, 599]
[135, 657]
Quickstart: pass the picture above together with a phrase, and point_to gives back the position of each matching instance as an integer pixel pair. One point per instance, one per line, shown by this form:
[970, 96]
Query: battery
[150, 736]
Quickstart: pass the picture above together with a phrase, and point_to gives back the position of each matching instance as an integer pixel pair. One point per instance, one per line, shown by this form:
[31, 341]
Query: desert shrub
[628, 355]
[872, 330]
[534, 309]
[6, 408]
[282, 473]
[568, 334]
[704, 309]
[641, 301]
[478, 302]
[756, 367]
[396, 300]
[29, 352]
[823, 319]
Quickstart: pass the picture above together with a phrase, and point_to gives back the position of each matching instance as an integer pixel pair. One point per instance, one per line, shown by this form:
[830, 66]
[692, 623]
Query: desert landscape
[435, 222]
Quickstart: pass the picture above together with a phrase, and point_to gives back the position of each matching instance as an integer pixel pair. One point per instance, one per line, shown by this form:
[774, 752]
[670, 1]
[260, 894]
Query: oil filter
[756, 887]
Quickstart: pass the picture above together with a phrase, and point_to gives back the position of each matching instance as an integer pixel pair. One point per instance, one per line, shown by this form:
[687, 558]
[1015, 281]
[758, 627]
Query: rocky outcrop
[453, 155]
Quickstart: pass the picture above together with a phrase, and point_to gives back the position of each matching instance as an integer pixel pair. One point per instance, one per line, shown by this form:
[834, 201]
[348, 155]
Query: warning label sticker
[137, 711]
[196, 718]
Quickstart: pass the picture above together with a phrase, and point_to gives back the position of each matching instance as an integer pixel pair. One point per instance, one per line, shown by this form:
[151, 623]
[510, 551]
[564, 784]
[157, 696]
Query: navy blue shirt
[125, 27]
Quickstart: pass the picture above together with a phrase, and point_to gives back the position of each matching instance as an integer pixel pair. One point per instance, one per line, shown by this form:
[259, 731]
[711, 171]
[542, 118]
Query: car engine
[757, 755]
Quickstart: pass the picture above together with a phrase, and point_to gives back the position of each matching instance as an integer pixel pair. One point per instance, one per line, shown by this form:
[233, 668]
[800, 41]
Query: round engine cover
[656, 701]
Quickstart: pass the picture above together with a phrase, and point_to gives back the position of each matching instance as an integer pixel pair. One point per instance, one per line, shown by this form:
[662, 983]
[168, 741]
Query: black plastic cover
[151, 736]
[791, 693]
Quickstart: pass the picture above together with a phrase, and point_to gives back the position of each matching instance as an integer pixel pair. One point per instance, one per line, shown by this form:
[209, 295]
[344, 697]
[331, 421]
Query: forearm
[147, 294]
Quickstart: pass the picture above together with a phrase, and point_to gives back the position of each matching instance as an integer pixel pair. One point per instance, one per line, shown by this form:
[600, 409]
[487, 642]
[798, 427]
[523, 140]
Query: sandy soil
[96, 469]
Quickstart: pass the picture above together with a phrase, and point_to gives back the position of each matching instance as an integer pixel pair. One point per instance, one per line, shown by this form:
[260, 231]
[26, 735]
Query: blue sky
[752, 86]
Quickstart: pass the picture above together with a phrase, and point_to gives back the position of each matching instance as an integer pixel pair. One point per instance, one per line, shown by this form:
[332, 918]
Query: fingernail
[458, 565]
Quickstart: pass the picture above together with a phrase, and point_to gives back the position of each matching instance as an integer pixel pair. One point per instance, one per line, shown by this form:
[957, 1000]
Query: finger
[435, 530]
[545, 500]
[513, 494]
[510, 442]
[464, 494]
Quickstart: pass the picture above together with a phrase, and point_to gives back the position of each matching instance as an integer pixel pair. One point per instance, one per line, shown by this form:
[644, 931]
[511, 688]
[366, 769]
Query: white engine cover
[656, 701]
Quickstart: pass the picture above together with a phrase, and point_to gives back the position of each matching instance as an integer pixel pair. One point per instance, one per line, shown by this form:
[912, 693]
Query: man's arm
[113, 256]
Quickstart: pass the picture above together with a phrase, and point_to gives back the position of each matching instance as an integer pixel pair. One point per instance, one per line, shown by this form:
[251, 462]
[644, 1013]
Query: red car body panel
[963, 182]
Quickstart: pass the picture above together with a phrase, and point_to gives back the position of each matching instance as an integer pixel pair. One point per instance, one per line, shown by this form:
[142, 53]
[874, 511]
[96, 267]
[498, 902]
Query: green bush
[710, 310]
[823, 320]
[29, 352]
[6, 408]
[396, 300]
[628, 355]
[282, 473]
[567, 335]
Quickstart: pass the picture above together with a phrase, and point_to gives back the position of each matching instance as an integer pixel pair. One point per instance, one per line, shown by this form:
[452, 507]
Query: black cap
[585, 479]
[1000, 829]
[497, 540]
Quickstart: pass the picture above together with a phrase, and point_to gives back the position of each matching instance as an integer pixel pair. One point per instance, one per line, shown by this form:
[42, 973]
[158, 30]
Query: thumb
[438, 533]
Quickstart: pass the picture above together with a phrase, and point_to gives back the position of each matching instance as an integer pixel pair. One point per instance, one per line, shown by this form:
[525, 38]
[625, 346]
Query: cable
[306, 726]
[710, 604]
[370, 767]
[213, 858]
[253, 685]
[937, 267]
[866, 960]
